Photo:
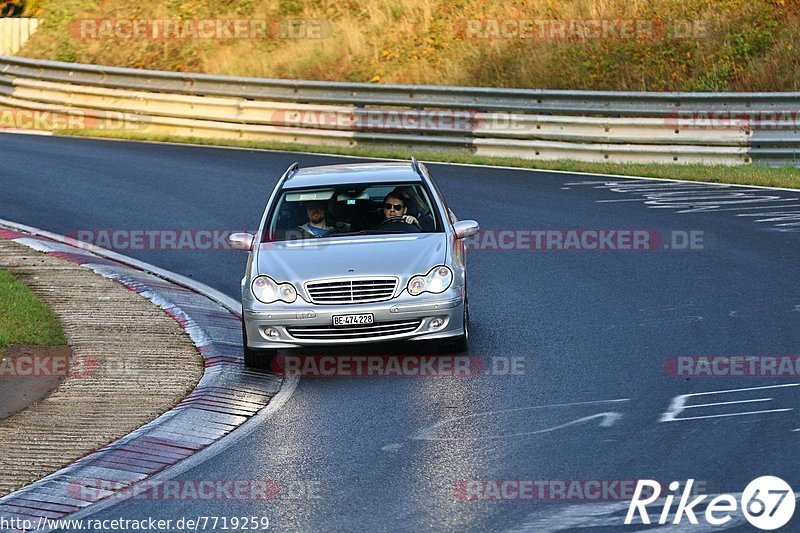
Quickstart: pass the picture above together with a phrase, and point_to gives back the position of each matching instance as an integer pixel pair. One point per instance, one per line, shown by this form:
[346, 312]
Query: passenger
[317, 225]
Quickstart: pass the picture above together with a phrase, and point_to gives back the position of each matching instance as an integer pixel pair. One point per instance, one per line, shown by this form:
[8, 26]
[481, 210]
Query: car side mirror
[466, 228]
[241, 241]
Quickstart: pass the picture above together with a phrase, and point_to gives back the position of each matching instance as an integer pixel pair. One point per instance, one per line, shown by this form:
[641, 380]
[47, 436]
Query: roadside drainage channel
[225, 397]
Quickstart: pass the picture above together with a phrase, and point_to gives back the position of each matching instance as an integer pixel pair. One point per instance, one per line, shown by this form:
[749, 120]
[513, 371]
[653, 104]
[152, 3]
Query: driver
[394, 207]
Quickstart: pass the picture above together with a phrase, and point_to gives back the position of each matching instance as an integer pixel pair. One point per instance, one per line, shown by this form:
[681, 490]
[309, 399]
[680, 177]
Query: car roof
[353, 174]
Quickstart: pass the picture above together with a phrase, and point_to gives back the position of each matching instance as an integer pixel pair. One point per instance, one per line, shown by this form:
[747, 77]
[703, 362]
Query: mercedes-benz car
[351, 254]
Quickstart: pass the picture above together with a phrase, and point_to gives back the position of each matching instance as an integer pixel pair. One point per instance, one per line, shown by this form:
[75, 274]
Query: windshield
[352, 210]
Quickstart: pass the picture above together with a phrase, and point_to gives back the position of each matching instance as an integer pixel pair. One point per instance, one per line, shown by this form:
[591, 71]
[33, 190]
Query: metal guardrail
[477, 98]
[539, 124]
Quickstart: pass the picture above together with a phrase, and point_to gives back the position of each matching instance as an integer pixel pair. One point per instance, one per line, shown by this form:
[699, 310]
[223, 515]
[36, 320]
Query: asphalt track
[591, 326]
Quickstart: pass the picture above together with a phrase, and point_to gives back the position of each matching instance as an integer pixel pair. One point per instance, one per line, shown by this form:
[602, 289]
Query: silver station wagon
[351, 254]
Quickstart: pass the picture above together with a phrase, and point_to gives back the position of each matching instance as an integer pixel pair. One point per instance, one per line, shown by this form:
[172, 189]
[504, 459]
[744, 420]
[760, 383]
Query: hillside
[684, 45]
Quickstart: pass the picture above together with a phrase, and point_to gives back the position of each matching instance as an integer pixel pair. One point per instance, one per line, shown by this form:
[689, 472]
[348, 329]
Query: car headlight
[436, 281]
[267, 291]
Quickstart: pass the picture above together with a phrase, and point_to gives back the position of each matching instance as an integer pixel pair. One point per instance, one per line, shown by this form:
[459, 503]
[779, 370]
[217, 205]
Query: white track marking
[762, 206]
[727, 403]
[609, 418]
[685, 198]
[678, 404]
[727, 391]
[728, 415]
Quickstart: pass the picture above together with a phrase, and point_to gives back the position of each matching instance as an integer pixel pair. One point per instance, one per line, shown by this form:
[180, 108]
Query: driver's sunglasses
[396, 207]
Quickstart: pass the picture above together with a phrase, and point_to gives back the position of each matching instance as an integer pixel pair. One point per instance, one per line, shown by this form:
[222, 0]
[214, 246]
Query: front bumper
[409, 320]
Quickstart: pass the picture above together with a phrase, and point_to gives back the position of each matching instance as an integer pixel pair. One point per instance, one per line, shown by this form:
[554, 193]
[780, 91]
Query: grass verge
[24, 319]
[788, 177]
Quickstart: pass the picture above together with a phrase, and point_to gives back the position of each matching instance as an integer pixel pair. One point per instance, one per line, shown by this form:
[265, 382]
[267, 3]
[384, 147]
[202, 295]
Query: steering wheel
[398, 224]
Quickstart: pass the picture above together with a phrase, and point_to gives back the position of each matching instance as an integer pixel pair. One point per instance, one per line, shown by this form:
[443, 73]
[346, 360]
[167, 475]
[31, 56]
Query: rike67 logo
[767, 503]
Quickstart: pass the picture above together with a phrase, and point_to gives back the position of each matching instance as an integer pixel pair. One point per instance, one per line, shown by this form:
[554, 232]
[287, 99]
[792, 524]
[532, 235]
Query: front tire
[256, 359]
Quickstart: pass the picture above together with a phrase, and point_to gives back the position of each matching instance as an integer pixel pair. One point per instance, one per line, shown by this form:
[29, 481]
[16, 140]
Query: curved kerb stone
[226, 396]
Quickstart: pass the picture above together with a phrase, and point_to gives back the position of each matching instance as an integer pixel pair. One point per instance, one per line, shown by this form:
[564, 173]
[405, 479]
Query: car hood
[363, 255]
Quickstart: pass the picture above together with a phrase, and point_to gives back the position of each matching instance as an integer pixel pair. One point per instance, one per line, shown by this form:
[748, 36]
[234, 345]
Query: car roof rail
[293, 168]
[415, 165]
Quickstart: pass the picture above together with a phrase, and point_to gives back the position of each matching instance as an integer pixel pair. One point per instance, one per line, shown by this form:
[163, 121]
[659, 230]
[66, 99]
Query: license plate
[349, 320]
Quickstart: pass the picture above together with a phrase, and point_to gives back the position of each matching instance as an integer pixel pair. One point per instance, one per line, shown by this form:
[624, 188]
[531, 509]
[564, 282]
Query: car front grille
[351, 291]
[367, 331]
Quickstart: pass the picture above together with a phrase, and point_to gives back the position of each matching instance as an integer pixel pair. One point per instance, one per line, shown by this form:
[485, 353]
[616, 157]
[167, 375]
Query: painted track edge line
[40, 133]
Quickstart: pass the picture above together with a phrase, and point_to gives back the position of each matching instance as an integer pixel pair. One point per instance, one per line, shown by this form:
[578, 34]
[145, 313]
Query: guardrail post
[14, 32]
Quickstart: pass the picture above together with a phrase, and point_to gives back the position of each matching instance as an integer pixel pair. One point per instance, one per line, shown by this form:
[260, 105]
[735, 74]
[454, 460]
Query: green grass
[24, 319]
[788, 177]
